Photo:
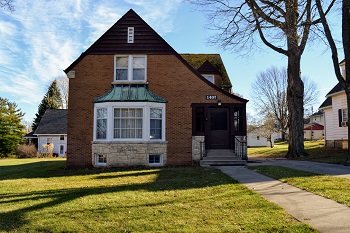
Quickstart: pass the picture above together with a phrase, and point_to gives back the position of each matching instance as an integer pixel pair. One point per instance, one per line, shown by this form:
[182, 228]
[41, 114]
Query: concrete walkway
[320, 168]
[321, 213]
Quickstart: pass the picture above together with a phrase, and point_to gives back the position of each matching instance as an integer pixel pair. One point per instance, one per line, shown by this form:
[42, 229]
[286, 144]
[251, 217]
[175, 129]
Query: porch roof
[130, 93]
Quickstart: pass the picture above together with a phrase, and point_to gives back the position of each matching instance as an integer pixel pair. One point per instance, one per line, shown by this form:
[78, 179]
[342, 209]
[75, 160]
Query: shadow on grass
[180, 178]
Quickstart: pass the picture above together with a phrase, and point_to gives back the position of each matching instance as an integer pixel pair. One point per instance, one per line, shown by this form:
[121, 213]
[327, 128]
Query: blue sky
[43, 37]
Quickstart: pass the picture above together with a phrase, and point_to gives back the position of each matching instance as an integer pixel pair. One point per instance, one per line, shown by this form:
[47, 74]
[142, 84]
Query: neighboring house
[314, 131]
[52, 132]
[256, 140]
[335, 115]
[314, 126]
[133, 100]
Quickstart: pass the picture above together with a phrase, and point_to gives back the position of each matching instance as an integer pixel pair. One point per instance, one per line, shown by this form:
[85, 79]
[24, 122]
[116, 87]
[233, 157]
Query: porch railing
[241, 147]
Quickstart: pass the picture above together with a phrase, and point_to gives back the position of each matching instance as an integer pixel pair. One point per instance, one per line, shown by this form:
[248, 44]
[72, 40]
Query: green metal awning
[130, 93]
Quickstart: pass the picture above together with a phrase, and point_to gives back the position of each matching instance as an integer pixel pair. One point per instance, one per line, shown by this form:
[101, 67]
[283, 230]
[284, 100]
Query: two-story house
[335, 115]
[133, 100]
[314, 127]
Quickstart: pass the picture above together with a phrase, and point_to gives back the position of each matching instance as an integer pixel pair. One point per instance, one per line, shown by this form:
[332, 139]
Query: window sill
[129, 82]
[129, 142]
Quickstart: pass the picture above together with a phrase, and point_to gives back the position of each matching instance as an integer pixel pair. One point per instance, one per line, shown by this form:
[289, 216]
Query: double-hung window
[101, 123]
[155, 123]
[128, 123]
[130, 68]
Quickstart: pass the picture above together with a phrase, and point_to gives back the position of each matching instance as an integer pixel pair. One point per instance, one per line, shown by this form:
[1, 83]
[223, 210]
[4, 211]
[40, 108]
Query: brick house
[133, 100]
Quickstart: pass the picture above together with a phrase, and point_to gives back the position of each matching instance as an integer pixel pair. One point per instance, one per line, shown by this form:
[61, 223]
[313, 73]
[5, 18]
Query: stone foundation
[123, 154]
[198, 147]
[337, 143]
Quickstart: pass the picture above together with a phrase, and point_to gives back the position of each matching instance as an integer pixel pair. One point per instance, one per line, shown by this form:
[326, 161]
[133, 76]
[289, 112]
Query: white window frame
[130, 69]
[127, 118]
[97, 160]
[344, 115]
[209, 76]
[156, 164]
[48, 141]
[95, 124]
[145, 106]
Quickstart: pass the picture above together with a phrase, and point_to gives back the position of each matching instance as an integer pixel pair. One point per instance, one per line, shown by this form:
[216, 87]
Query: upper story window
[209, 77]
[130, 68]
[131, 34]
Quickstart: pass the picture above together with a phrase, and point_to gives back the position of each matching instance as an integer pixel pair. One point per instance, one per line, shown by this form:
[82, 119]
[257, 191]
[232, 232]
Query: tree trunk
[295, 90]
[346, 45]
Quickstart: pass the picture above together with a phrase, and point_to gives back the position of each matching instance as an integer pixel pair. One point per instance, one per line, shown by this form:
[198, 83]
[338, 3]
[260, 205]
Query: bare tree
[282, 25]
[63, 86]
[7, 4]
[269, 95]
[344, 81]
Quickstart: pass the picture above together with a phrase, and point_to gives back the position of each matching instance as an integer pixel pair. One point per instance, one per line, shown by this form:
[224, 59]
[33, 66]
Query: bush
[27, 151]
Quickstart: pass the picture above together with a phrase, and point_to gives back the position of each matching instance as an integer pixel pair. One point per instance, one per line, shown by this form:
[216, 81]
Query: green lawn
[318, 153]
[38, 195]
[335, 188]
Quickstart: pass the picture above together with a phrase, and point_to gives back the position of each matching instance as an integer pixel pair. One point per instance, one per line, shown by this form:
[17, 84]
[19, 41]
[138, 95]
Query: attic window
[209, 77]
[130, 34]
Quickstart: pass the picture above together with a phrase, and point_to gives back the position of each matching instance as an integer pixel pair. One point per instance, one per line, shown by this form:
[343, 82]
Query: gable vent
[130, 34]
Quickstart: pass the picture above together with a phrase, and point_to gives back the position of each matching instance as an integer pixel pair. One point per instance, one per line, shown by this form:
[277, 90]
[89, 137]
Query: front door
[219, 132]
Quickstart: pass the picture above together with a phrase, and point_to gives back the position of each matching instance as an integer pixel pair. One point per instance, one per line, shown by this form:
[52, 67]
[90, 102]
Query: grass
[334, 188]
[318, 153]
[38, 195]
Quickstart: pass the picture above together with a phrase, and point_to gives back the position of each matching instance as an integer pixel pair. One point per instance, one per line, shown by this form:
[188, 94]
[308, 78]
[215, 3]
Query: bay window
[129, 121]
[131, 68]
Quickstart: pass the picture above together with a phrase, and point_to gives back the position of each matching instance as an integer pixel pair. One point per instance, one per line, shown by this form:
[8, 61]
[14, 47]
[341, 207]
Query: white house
[314, 128]
[335, 115]
[52, 132]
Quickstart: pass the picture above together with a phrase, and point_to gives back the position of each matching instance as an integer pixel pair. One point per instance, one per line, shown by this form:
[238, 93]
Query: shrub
[27, 151]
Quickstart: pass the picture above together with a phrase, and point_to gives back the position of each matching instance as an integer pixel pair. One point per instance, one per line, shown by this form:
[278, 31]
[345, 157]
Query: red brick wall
[93, 76]
[167, 76]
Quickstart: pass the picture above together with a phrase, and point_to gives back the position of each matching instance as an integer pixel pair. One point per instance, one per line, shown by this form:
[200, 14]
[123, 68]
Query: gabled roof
[318, 113]
[198, 60]
[54, 121]
[130, 93]
[148, 41]
[326, 103]
[30, 135]
[335, 89]
[114, 40]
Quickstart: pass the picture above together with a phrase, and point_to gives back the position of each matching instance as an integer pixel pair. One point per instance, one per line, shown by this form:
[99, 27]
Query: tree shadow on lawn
[180, 178]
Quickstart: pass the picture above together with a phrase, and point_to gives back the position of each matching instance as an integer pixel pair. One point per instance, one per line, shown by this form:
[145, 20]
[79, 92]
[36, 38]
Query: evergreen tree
[51, 100]
[11, 129]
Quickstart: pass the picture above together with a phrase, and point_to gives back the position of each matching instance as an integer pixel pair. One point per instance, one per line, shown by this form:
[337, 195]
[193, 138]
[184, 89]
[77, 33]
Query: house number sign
[211, 97]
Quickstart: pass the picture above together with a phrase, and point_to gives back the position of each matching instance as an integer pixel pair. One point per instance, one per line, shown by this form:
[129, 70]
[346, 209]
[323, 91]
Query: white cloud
[43, 37]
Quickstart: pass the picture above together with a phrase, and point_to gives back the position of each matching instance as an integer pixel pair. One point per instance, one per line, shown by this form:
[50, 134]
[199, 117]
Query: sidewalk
[320, 168]
[322, 214]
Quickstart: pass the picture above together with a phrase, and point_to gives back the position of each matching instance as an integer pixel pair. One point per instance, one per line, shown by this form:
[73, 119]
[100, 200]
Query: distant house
[134, 101]
[335, 115]
[314, 126]
[256, 140]
[52, 132]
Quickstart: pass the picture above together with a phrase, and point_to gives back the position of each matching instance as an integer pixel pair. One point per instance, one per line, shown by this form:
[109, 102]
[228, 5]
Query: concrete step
[219, 152]
[222, 162]
[221, 157]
